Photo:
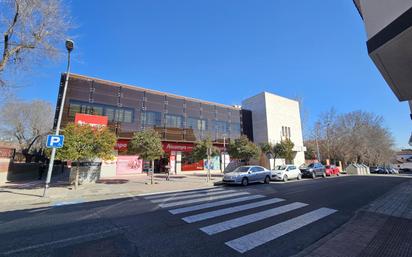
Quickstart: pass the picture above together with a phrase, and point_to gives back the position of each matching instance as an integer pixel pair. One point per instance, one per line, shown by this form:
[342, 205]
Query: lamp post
[69, 47]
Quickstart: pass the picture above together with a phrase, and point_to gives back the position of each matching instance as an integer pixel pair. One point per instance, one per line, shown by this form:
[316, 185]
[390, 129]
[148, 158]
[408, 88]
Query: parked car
[286, 172]
[374, 169]
[313, 170]
[332, 170]
[383, 170]
[247, 174]
[393, 171]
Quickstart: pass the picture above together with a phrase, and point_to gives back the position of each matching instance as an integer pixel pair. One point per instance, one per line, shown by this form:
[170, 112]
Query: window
[173, 121]
[109, 112]
[197, 124]
[112, 113]
[150, 118]
[128, 116]
[257, 169]
[221, 127]
[73, 109]
[286, 132]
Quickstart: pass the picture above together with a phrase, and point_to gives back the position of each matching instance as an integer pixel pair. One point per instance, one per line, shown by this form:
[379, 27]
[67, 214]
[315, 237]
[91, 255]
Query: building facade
[180, 121]
[388, 25]
[276, 118]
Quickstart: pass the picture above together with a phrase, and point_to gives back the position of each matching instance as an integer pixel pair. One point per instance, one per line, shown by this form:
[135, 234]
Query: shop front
[178, 157]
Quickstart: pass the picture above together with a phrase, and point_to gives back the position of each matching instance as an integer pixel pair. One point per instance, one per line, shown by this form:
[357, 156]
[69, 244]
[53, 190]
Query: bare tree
[32, 30]
[26, 122]
[353, 137]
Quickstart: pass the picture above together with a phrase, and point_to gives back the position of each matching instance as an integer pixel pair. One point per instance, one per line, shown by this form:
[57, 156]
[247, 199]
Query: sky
[226, 51]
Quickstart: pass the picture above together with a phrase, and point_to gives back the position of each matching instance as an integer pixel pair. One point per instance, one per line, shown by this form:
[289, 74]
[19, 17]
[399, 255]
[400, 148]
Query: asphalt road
[278, 219]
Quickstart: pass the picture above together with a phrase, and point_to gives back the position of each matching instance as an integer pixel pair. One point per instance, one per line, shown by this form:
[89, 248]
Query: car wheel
[245, 182]
[299, 176]
[324, 175]
[285, 178]
[313, 175]
[267, 180]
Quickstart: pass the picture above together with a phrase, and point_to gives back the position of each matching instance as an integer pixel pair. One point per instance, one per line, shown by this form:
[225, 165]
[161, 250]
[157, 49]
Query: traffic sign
[54, 141]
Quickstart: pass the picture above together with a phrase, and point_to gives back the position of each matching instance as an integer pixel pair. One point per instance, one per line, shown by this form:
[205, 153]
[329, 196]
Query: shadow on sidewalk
[16, 193]
[112, 181]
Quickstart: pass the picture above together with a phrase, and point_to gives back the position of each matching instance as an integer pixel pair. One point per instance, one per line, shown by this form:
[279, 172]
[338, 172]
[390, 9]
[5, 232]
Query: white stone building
[276, 118]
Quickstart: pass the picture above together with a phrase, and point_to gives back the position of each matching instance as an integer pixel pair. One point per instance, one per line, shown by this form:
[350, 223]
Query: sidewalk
[381, 229]
[25, 195]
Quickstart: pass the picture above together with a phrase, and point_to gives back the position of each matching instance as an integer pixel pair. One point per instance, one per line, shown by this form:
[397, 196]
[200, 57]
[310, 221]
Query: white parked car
[286, 172]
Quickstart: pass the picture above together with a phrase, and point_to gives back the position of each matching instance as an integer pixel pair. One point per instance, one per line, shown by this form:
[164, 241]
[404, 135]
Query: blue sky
[226, 51]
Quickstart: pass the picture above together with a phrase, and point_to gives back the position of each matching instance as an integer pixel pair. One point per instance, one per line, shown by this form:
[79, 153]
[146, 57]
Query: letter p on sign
[54, 141]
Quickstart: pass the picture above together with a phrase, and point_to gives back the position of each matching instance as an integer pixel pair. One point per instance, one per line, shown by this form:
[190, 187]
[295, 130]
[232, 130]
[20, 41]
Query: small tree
[148, 145]
[276, 150]
[288, 152]
[205, 149]
[83, 142]
[243, 149]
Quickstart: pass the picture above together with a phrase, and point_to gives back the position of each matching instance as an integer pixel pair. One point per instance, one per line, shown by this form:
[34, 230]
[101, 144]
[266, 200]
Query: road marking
[250, 241]
[214, 204]
[84, 237]
[244, 220]
[77, 201]
[172, 198]
[199, 200]
[221, 212]
[178, 193]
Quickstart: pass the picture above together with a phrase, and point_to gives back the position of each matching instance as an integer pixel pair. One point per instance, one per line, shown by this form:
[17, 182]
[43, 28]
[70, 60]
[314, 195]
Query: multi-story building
[388, 25]
[181, 121]
[276, 118]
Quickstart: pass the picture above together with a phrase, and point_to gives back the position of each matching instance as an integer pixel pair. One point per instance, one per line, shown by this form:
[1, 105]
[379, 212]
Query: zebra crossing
[207, 200]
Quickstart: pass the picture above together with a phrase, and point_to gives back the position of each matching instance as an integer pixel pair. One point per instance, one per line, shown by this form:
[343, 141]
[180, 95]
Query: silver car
[247, 174]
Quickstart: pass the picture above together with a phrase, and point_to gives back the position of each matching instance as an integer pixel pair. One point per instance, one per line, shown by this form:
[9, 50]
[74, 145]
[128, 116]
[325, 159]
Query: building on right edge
[388, 25]
[276, 118]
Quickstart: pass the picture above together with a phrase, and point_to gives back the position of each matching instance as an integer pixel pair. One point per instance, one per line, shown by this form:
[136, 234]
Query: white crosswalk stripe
[165, 195]
[250, 241]
[197, 200]
[214, 204]
[202, 199]
[244, 220]
[221, 212]
[191, 196]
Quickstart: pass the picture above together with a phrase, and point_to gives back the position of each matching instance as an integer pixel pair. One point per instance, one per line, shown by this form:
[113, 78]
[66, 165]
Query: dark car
[374, 169]
[383, 170]
[313, 170]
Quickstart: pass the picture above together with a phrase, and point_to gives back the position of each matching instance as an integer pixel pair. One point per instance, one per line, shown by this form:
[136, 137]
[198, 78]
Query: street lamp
[69, 47]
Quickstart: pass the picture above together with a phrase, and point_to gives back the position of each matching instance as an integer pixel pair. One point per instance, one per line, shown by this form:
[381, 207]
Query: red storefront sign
[168, 147]
[178, 147]
[92, 120]
[121, 145]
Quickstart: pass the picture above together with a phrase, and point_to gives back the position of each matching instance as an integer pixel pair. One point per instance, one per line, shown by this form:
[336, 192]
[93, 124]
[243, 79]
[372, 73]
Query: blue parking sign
[54, 141]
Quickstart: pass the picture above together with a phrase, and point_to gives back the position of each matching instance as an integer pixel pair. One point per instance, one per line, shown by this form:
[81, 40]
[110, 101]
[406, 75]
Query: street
[278, 219]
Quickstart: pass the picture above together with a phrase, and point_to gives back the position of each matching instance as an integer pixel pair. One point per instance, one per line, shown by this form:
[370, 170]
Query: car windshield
[311, 165]
[241, 169]
[280, 167]
[327, 166]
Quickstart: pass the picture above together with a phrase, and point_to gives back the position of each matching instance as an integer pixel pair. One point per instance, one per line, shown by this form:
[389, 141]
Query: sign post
[56, 139]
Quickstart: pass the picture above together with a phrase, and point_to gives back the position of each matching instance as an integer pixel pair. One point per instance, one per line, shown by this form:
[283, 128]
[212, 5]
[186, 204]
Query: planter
[89, 172]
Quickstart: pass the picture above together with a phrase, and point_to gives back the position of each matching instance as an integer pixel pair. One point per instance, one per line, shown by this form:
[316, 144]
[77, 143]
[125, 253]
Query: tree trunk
[151, 173]
[208, 167]
[76, 180]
